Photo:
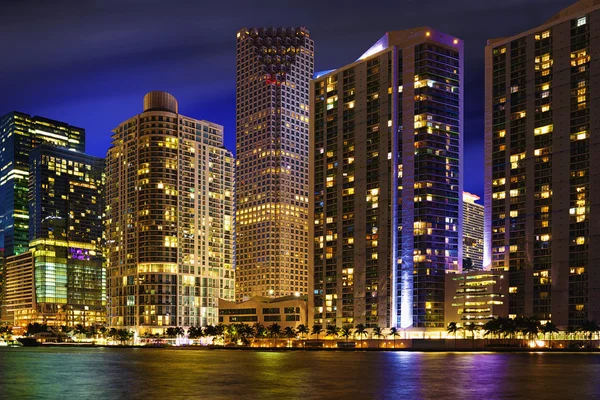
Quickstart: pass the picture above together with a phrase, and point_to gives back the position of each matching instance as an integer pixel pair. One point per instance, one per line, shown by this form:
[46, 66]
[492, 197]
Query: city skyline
[98, 75]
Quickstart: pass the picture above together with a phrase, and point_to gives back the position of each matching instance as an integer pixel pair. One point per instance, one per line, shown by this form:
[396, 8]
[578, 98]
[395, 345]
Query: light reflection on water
[79, 373]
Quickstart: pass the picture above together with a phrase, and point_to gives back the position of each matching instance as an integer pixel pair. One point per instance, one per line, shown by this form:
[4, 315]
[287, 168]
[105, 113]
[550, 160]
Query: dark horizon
[90, 65]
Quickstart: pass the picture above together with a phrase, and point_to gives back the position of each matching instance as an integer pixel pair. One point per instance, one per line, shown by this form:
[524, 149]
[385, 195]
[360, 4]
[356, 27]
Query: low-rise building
[285, 311]
[476, 297]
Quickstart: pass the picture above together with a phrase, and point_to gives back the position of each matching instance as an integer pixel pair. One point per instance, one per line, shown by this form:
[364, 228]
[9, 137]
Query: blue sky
[90, 63]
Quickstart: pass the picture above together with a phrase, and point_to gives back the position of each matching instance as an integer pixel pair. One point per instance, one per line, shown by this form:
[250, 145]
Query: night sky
[89, 64]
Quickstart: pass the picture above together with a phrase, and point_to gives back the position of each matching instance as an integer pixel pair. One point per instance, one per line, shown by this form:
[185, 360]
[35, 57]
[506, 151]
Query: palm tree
[332, 330]
[393, 333]
[302, 330]
[590, 327]
[551, 329]
[360, 331]
[492, 327]
[316, 330]
[532, 328]
[571, 331]
[453, 329]
[346, 332]
[274, 329]
[289, 333]
[378, 334]
[472, 328]
[259, 330]
[210, 331]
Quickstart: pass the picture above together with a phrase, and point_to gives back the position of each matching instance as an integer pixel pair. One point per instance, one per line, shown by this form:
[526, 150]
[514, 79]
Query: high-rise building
[170, 222]
[62, 279]
[274, 68]
[66, 231]
[386, 187]
[472, 240]
[542, 181]
[19, 134]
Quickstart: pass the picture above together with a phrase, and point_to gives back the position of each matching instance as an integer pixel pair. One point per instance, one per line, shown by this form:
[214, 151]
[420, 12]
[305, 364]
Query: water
[109, 373]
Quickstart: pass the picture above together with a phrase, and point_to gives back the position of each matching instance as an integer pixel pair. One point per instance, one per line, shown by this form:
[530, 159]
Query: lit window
[582, 21]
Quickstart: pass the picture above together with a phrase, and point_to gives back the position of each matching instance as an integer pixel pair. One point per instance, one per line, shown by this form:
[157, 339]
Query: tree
[571, 331]
[492, 327]
[532, 328]
[393, 333]
[259, 330]
[551, 329]
[5, 331]
[36, 327]
[346, 332]
[360, 331]
[210, 331]
[378, 334]
[332, 330]
[590, 328]
[124, 335]
[453, 329]
[274, 329]
[472, 328]
[289, 332]
[316, 330]
[302, 330]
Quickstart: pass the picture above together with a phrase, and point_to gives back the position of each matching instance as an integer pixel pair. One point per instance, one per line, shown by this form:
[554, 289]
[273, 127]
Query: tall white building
[274, 68]
[170, 219]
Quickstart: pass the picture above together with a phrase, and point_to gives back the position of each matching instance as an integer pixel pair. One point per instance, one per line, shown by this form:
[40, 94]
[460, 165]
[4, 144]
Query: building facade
[542, 181]
[476, 297]
[472, 241]
[170, 220]
[66, 231]
[19, 306]
[386, 205]
[288, 311]
[274, 68]
[19, 134]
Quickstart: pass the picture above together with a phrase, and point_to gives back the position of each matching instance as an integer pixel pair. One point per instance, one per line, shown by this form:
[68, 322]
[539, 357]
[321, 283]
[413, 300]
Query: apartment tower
[274, 68]
[170, 220]
[386, 187]
[542, 180]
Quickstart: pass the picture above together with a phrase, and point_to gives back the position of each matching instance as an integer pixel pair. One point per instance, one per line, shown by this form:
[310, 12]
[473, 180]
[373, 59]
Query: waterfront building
[386, 187]
[542, 181]
[476, 297]
[19, 134]
[65, 263]
[274, 68]
[170, 222]
[472, 241]
[287, 311]
[19, 306]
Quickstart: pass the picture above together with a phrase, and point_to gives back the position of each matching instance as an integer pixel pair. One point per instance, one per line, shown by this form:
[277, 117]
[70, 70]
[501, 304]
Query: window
[581, 21]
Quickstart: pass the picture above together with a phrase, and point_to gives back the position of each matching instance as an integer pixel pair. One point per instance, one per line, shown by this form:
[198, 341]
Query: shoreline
[326, 349]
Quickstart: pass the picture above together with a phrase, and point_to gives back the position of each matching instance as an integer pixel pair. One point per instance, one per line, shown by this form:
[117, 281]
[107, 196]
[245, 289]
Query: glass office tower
[386, 187]
[19, 134]
[66, 206]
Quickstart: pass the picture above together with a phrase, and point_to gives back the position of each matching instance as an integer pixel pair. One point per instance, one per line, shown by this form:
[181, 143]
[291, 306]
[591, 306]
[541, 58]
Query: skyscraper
[274, 68]
[387, 185]
[61, 280]
[472, 241]
[542, 180]
[170, 219]
[19, 134]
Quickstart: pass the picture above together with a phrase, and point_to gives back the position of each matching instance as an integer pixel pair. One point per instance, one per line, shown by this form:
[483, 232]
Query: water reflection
[221, 374]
